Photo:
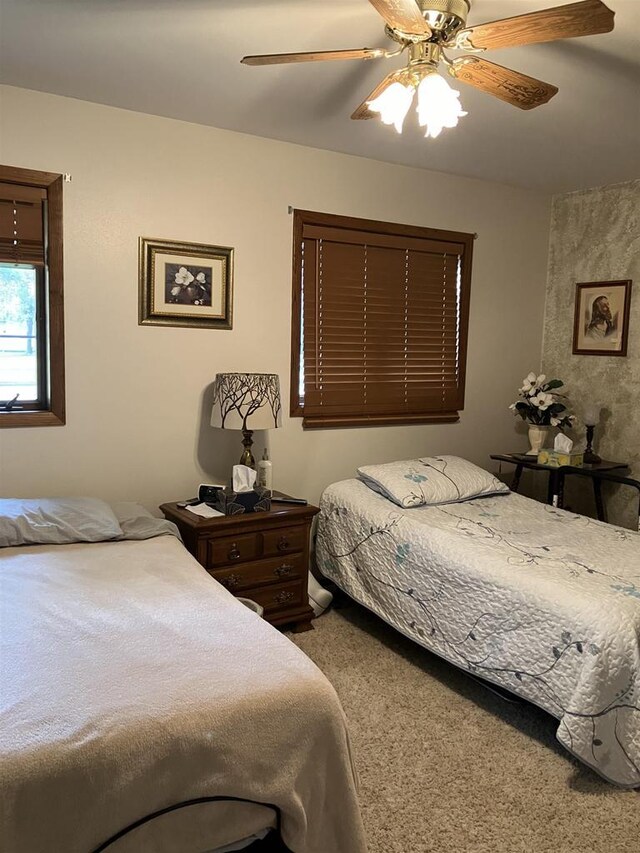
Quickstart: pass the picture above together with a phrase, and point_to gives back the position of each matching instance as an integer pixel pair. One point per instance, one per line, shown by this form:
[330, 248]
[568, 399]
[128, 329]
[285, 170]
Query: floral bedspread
[537, 600]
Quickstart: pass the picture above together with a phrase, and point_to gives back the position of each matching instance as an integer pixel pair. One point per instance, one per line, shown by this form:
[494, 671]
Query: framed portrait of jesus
[601, 319]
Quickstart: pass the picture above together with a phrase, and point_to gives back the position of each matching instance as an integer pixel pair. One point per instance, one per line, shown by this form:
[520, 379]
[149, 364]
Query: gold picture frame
[185, 284]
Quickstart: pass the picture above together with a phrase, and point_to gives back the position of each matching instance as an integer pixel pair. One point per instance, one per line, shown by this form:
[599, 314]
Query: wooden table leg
[515, 483]
[554, 497]
[597, 492]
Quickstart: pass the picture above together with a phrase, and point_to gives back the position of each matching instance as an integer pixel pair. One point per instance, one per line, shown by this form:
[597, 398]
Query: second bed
[537, 600]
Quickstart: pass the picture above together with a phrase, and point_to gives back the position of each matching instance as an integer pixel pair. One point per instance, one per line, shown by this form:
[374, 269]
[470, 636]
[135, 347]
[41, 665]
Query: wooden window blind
[22, 228]
[380, 315]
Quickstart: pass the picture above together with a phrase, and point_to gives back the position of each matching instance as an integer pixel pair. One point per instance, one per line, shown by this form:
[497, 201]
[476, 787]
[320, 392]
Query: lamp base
[247, 456]
[590, 457]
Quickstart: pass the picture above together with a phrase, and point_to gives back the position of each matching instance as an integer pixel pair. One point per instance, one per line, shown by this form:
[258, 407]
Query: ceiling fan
[427, 29]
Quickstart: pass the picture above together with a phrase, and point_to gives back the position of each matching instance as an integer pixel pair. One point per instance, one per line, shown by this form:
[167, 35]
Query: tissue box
[558, 458]
[229, 502]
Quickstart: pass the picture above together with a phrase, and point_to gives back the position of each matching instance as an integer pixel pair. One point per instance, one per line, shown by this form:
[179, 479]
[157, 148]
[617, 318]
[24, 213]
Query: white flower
[554, 420]
[175, 290]
[183, 277]
[542, 401]
[540, 379]
[201, 278]
[528, 382]
[512, 406]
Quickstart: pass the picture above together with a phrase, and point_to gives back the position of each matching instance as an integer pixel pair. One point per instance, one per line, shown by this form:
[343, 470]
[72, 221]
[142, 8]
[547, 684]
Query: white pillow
[138, 523]
[431, 480]
[56, 521]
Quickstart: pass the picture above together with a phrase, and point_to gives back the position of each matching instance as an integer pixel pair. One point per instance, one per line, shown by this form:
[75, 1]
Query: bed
[539, 601]
[132, 683]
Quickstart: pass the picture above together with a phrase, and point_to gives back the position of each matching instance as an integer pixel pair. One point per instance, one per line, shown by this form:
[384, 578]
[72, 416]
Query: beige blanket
[132, 681]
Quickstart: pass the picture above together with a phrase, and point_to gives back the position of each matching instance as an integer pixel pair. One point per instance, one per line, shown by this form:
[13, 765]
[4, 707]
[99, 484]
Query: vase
[537, 438]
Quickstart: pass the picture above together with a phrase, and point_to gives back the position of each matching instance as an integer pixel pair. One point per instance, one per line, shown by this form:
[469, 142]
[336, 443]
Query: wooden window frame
[302, 218]
[50, 411]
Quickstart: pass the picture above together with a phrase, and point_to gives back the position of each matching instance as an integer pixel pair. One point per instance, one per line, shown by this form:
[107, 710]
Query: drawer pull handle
[283, 544]
[233, 554]
[284, 570]
[283, 596]
[232, 581]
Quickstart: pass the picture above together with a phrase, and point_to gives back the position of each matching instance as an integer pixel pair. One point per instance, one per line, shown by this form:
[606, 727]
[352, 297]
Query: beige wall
[595, 236]
[138, 397]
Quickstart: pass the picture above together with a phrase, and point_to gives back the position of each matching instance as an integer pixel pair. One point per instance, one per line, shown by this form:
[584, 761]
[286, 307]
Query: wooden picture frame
[601, 318]
[185, 284]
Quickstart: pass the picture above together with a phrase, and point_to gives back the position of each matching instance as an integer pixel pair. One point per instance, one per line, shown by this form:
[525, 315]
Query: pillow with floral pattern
[430, 481]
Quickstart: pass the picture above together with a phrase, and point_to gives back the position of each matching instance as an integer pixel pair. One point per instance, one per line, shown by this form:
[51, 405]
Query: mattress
[131, 682]
[540, 601]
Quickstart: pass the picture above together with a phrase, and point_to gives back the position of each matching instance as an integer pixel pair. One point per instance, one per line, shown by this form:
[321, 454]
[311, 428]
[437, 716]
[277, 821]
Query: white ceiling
[180, 58]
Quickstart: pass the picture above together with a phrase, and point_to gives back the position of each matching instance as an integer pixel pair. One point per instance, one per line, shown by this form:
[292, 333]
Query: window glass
[18, 333]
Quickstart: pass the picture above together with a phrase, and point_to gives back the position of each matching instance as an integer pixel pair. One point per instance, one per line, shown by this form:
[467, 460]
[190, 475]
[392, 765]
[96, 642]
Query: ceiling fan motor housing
[445, 15]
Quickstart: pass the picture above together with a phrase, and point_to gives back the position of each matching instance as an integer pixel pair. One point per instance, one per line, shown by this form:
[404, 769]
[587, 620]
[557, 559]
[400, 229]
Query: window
[380, 317]
[31, 306]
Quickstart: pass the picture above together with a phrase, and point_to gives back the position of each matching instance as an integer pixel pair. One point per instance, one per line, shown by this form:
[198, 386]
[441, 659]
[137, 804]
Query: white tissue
[563, 444]
[244, 478]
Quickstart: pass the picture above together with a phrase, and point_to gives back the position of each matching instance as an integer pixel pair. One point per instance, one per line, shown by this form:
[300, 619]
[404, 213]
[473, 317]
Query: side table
[263, 556]
[555, 487]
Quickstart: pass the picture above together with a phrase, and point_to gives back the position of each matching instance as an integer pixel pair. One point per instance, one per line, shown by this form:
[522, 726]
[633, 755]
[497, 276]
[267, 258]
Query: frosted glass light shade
[246, 401]
[438, 105]
[591, 414]
[393, 104]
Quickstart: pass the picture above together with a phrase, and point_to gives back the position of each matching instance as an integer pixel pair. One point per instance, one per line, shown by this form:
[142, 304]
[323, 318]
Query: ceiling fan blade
[562, 22]
[363, 110]
[318, 56]
[511, 86]
[403, 15]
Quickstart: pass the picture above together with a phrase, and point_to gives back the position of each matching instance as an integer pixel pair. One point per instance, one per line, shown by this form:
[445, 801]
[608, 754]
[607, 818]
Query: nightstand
[259, 555]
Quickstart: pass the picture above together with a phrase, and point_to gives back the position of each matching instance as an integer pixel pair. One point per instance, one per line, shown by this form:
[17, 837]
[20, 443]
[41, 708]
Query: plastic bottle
[265, 471]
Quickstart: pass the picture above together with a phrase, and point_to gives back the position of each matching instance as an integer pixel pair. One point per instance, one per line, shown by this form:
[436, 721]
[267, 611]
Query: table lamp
[246, 401]
[591, 417]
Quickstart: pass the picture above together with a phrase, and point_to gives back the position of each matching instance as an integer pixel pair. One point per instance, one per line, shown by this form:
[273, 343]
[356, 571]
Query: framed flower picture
[185, 284]
[601, 319]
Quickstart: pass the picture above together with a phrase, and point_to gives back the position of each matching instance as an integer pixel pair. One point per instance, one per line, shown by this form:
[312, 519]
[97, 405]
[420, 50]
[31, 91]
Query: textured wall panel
[595, 236]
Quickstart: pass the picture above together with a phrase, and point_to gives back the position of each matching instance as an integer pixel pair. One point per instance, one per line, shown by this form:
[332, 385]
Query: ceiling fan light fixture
[438, 105]
[393, 104]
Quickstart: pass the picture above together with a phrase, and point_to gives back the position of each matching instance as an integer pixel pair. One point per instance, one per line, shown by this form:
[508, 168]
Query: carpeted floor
[448, 767]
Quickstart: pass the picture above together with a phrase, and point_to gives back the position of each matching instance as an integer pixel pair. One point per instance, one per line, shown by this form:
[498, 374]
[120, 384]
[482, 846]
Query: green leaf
[554, 383]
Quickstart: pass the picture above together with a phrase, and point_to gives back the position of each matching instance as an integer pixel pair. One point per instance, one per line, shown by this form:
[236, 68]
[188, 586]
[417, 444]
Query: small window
[31, 305]
[380, 315]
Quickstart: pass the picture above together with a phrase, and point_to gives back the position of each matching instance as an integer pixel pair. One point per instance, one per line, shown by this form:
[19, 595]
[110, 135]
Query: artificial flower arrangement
[538, 406]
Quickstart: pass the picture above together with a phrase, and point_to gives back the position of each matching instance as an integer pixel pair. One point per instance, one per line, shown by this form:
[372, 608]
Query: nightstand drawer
[275, 570]
[274, 598]
[226, 550]
[283, 541]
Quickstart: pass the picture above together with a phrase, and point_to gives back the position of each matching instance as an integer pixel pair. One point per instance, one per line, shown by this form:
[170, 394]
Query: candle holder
[590, 457]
